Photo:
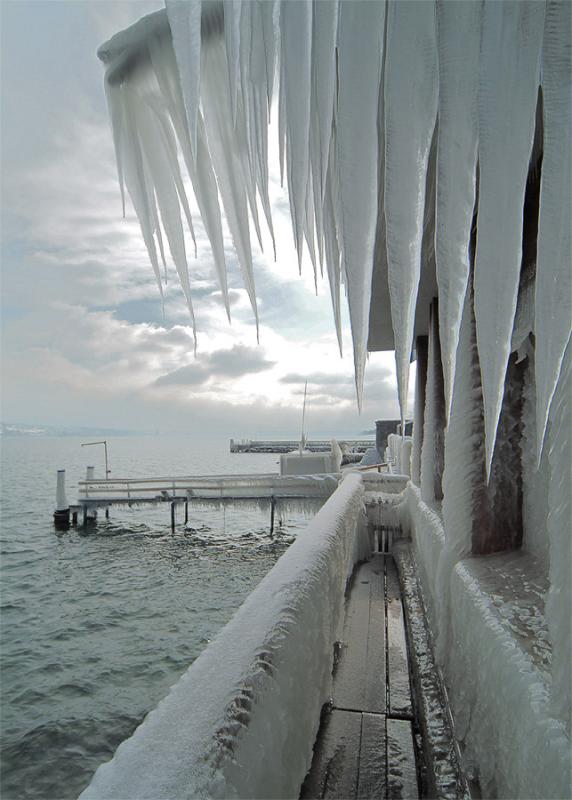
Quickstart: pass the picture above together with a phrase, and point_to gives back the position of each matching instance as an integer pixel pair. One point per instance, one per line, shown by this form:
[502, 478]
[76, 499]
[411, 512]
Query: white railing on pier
[205, 487]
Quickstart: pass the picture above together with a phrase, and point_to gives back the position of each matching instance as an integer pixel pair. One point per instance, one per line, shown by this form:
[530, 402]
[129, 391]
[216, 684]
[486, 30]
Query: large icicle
[227, 160]
[325, 27]
[553, 301]
[331, 239]
[201, 173]
[295, 57]
[185, 23]
[167, 197]
[232, 9]
[410, 111]
[360, 48]
[508, 90]
[458, 42]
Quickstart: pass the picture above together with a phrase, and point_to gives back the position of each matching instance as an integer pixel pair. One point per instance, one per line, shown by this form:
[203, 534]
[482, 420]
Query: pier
[287, 445]
[266, 491]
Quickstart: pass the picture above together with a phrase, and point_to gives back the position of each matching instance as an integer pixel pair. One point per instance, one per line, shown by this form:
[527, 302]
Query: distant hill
[28, 429]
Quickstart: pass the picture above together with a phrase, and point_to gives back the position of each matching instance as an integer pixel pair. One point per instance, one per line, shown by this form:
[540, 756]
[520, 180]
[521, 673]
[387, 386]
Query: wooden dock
[366, 746]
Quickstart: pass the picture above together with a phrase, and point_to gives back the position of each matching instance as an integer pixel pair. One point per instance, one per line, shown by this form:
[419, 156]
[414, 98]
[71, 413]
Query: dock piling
[173, 517]
[186, 511]
[62, 510]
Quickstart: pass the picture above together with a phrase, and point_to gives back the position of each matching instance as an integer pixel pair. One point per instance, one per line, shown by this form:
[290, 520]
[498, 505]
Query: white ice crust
[242, 720]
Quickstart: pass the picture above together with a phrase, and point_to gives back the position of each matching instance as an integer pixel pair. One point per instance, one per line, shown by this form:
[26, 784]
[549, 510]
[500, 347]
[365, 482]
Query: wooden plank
[401, 772]
[359, 682]
[372, 769]
[334, 768]
[399, 689]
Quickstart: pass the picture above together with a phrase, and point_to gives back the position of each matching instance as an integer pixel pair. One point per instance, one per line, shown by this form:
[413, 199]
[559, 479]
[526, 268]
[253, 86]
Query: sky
[85, 341]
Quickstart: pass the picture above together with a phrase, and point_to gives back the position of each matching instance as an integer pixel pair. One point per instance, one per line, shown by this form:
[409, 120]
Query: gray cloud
[233, 363]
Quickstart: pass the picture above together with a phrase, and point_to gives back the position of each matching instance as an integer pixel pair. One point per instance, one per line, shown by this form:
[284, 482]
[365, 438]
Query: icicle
[410, 100]
[296, 50]
[360, 47]
[167, 198]
[458, 42]
[201, 174]
[229, 170]
[113, 96]
[324, 34]
[136, 183]
[281, 124]
[268, 10]
[232, 9]
[325, 27]
[331, 241]
[170, 145]
[508, 89]
[553, 310]
[185, 23]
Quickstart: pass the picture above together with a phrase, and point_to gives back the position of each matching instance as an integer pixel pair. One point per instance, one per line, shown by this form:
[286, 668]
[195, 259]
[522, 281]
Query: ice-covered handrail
[362, 84]
[242, 720]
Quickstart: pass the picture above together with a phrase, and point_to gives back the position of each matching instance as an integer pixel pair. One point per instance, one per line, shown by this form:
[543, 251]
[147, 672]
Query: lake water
[97, 624]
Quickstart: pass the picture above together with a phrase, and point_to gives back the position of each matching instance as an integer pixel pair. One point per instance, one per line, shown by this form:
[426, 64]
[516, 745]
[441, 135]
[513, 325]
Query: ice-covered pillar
[505, 484]
[432, 451]
[466, 511]
[421, 348]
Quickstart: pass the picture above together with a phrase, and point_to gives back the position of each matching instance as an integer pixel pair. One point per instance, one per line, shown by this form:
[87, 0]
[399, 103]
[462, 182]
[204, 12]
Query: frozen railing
[241, 722]
[95, 492]
[398, 454]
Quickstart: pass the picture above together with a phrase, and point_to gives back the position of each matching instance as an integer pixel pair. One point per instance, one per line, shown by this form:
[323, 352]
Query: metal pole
[104, 443]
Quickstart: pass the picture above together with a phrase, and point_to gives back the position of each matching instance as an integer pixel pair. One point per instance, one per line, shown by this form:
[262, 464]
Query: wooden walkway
[365, 745]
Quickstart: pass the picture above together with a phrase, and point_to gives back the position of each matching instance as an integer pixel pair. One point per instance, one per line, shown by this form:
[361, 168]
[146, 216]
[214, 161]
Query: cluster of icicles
[362, 87]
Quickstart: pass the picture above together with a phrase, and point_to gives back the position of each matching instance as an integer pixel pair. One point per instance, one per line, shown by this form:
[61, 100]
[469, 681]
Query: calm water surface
[98, 624]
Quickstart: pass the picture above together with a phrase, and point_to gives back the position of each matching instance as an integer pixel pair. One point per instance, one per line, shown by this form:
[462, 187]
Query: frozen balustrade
[241, 722]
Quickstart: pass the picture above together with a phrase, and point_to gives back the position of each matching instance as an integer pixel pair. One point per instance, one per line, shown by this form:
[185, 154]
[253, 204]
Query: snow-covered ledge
[487, 617]
[241, 722]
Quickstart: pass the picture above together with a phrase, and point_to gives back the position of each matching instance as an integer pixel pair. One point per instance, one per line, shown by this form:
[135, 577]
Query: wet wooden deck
[365, 745]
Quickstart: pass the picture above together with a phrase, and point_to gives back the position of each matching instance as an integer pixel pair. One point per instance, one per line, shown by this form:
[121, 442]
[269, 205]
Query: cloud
[233, 363]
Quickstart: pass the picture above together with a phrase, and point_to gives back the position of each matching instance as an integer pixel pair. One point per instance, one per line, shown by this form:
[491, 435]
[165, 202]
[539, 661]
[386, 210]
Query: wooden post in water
[173, 517]
[186, 511]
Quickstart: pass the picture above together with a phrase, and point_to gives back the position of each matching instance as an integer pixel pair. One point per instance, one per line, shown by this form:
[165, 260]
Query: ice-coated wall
[241, 722]
[508, 713]
[559, 525]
